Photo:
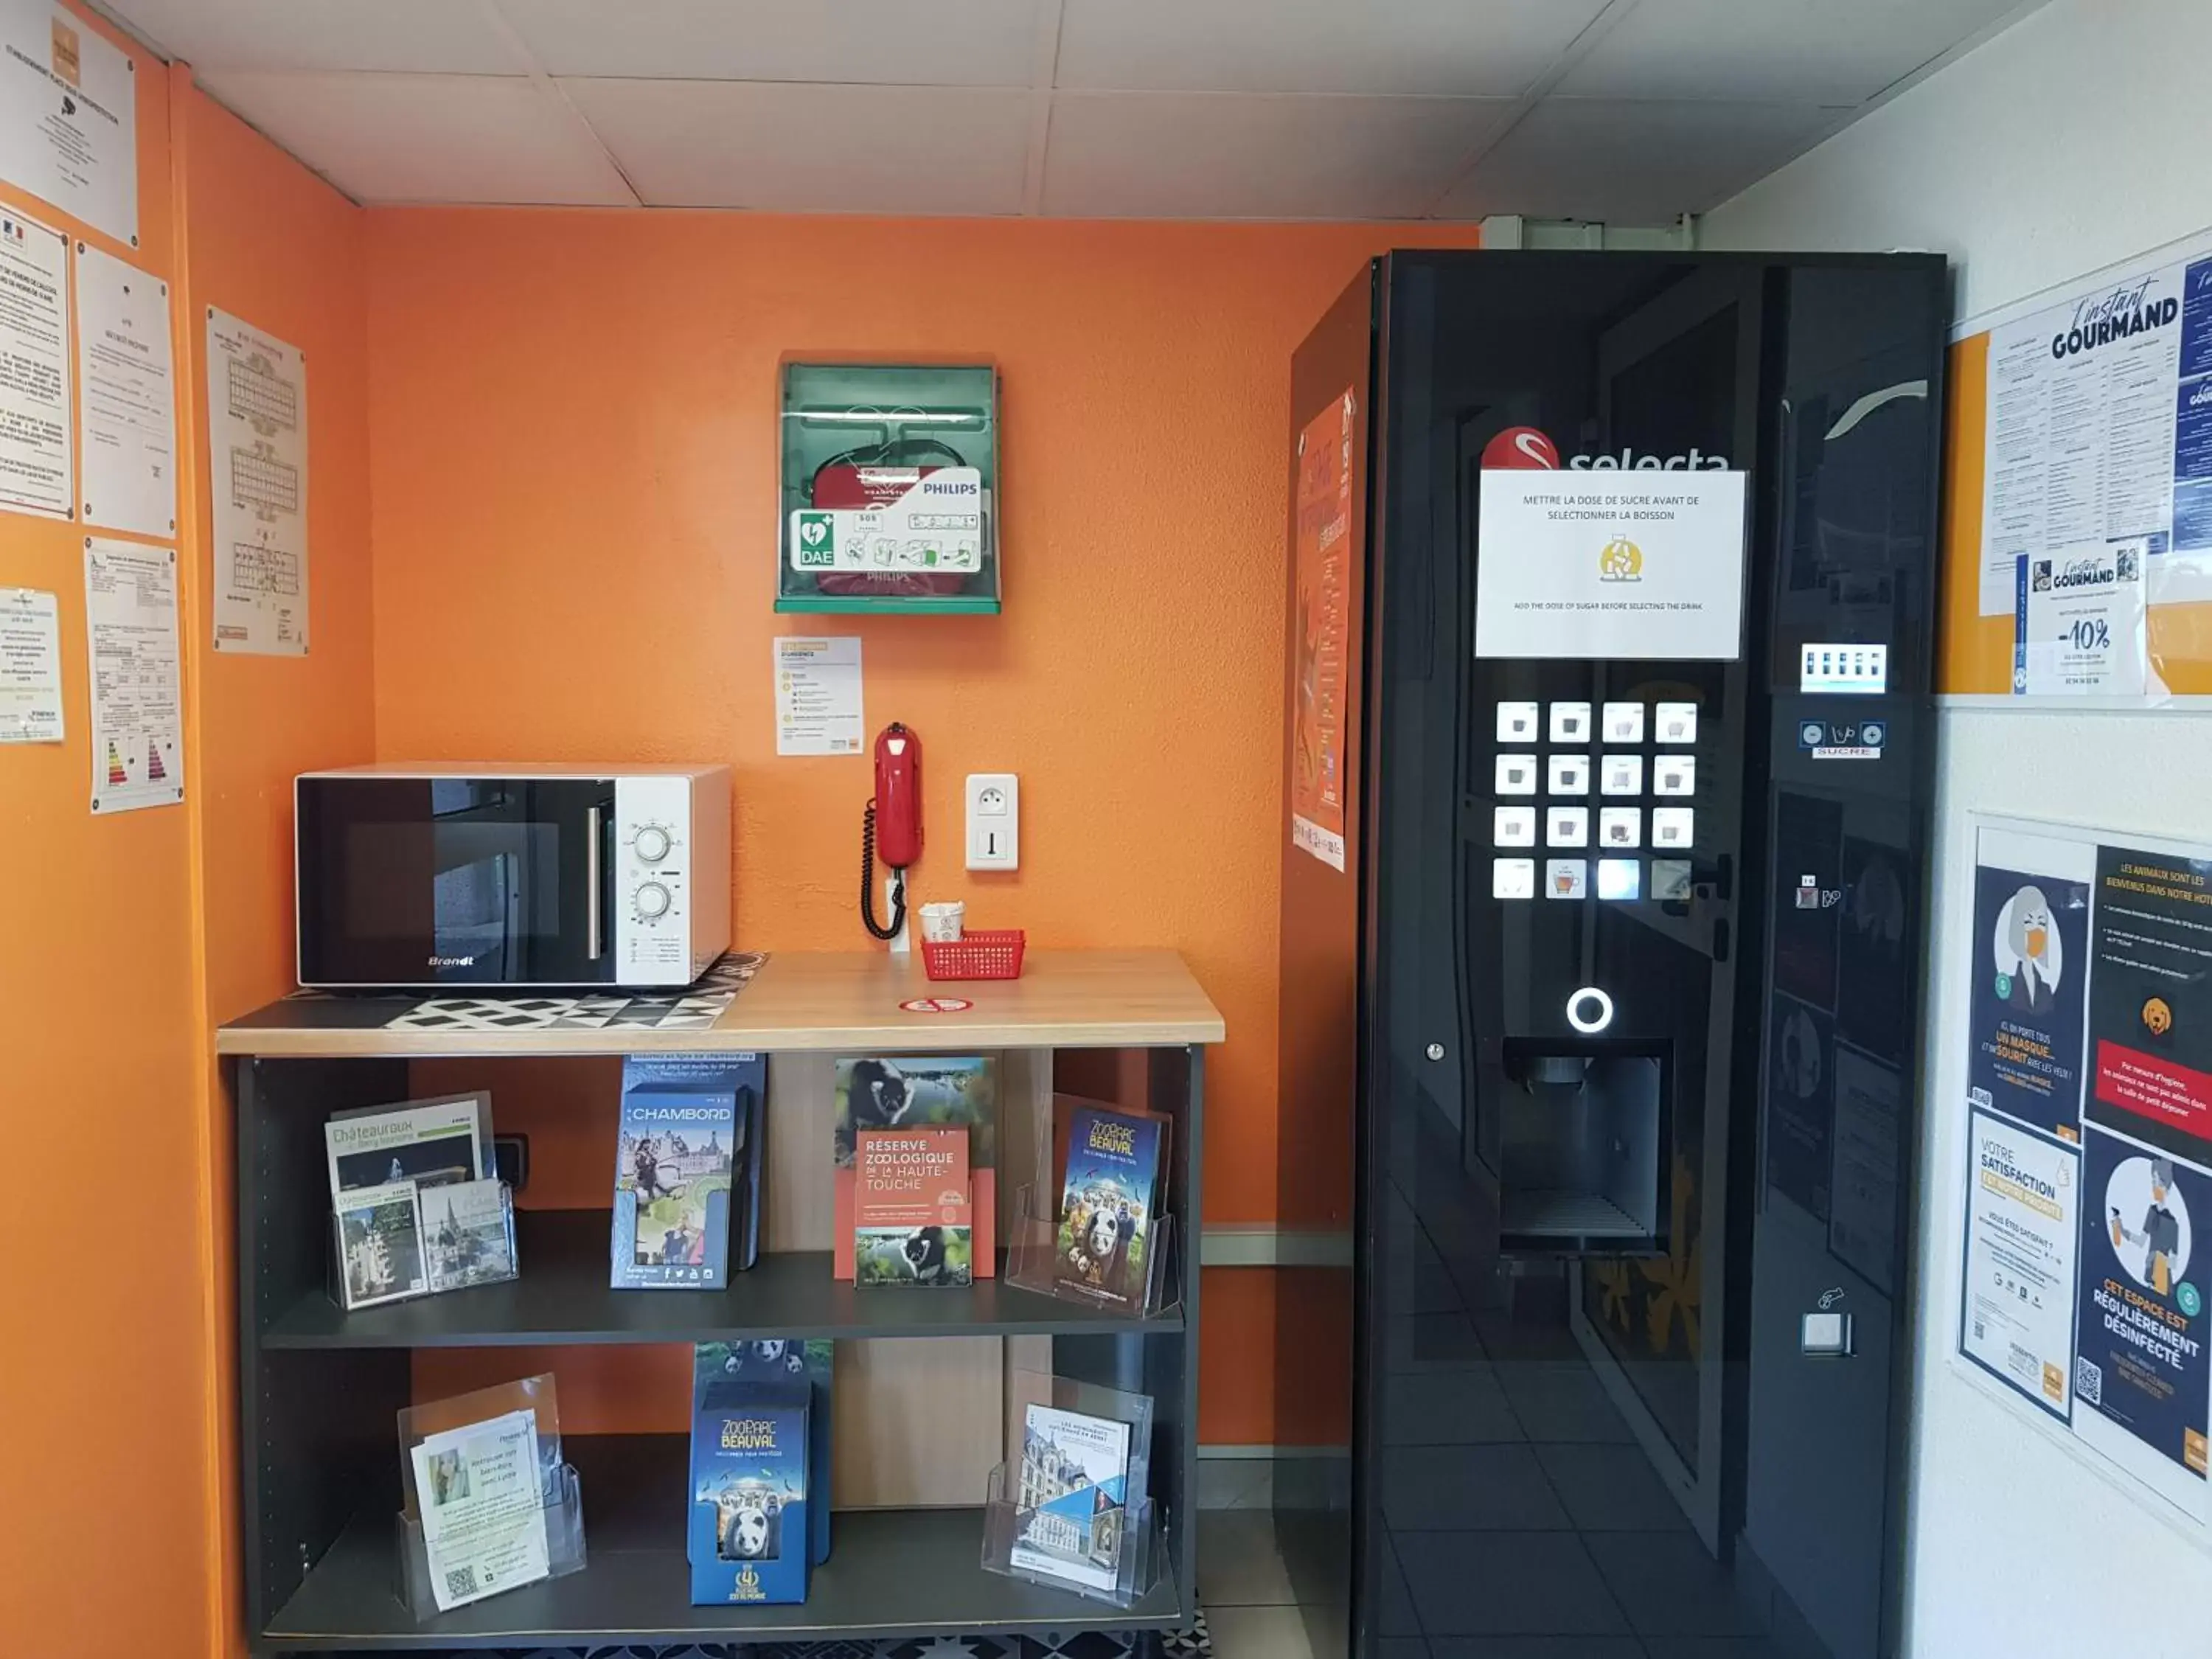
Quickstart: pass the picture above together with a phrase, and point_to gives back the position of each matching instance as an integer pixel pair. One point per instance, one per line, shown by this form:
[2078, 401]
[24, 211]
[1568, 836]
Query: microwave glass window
[467, 882]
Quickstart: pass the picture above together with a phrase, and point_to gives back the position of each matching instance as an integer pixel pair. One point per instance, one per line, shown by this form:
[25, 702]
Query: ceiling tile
[429, 137]
[1816, 51]
[452, 36]
[795, 148]
[1634, 163]
[946, 42]
[1235, 155]
[1468, 48]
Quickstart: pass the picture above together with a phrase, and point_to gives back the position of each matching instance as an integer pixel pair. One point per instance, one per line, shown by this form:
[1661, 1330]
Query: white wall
[2078, 137]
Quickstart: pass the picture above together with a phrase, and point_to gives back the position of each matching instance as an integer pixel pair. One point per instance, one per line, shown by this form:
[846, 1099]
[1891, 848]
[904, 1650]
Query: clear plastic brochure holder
[1047, 1253]
[1054, 1513]
[395, 1244]
[488, 1466]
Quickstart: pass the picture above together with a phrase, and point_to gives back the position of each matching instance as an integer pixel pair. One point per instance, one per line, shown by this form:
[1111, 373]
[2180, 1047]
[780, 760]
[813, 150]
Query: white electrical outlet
[994, 820]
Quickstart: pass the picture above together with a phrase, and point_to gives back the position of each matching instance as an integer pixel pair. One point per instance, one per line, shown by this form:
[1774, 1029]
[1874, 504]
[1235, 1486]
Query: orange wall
[266, 240]
[574, 501]
[102, 1318]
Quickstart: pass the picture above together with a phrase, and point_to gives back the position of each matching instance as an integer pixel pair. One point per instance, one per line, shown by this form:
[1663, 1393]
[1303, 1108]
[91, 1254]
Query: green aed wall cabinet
[889, 474]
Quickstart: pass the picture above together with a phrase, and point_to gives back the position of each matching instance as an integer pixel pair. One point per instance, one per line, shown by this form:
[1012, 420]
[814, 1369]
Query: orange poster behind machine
[1322, 542]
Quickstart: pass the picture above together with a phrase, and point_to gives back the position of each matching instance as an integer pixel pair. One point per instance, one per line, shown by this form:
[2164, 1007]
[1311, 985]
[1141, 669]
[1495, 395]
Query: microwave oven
[493, 876]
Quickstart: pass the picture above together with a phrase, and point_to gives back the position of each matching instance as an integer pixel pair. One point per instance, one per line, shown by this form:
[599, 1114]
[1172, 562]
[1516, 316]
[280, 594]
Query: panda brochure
[749, 1539]
[911, 1208]
[917, 1091]
[1103, 1249]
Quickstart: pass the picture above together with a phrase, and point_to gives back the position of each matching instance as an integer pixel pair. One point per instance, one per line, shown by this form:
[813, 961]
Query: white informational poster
[483, 1509]
[2082, 629]
[69, 116]
[126, 397]
[1646, 565]
[35, 368]
[2023, 1214]
[818, 697]
[2099, 438]
[30, 666]
[138, 706]
[256, 402]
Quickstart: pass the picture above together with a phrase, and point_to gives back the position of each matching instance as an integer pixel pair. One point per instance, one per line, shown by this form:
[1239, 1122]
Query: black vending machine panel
[1627, 668]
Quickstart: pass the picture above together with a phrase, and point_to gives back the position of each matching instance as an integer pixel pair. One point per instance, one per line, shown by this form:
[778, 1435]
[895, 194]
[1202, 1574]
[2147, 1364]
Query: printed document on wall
[2023, 1214]
[818, 697]
[69, 116]
[2099, 441]
[35, 368]
[1646, 564]
[138, 707]
[30, 666]
[257, 400]
[126, 400]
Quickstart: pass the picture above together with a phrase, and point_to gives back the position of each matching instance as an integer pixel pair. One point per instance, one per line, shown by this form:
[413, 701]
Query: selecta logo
[1523, 448]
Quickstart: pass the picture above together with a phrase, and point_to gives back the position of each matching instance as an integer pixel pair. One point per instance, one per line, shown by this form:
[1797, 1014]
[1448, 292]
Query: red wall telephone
[892, 823]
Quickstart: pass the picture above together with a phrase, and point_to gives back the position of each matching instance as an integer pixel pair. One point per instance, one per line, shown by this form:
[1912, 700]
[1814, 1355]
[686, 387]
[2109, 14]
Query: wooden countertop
[807, 999]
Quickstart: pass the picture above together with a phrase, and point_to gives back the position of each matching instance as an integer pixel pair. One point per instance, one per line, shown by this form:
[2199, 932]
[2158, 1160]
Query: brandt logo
[453, 961]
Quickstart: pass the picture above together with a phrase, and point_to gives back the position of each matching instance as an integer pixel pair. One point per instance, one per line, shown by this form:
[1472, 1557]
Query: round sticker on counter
[937, 1005]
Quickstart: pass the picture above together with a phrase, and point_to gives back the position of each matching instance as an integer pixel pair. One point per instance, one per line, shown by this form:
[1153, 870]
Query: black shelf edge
[891, 1573]
[562, 1297]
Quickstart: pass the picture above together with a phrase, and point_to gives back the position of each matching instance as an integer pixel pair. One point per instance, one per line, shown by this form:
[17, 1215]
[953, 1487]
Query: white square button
[1571, 774]
[1623, 722]
[1516, 722]
[1620, 826]
[1623, 775]
[1513, 826]
[1675, 774]
[1513, 878]
[1670, 880]
[1516, 775]
[1566, 878]
[1620, 878]
[1571, 722]
[1678, 722]
[1674, 826]
[1566, 826]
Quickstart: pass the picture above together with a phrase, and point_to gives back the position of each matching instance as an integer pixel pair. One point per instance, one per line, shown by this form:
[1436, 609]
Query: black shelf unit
[320, 1388]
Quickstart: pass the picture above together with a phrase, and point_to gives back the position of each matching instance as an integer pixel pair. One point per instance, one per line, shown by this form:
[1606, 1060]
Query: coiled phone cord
[868, 883]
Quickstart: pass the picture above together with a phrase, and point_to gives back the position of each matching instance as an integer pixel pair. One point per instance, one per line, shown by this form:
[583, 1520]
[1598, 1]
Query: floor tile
[1398, 1618]
[1536, 1647]
[1609, 1489]
[1710, 1647]
[1402, 1647]
[1238, 1563]
[1259, 1633]
[1447, 1408]
[1506, 1583]
[1425, 1342]
[1467, 1489]
[1558, 1401]
[1668, 1585]
[1503, 1337]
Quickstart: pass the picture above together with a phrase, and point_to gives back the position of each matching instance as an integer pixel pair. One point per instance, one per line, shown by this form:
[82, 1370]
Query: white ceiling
[1632, 110]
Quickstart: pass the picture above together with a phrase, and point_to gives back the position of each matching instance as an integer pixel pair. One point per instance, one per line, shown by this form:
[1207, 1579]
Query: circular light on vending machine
[1589, 1010]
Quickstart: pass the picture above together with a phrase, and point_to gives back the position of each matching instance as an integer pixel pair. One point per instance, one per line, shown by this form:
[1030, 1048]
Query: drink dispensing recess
[1609, 738]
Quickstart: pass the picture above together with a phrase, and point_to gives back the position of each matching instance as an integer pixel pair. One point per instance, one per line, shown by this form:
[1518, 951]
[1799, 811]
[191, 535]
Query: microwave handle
[595, 944]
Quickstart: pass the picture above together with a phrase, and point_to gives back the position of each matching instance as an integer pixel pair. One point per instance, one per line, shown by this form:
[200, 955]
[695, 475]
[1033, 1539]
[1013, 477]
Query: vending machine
[1608, 773]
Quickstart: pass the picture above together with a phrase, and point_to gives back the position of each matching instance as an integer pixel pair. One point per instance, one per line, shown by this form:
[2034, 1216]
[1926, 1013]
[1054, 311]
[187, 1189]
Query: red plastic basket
[986, 955]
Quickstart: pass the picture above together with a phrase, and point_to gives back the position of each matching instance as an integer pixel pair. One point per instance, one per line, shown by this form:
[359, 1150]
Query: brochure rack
[1046, 1524]
[1036, 1246]
[461, 1257]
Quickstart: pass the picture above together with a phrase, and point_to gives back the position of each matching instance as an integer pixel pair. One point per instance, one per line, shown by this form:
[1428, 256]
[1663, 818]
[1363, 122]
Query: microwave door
[455, 881]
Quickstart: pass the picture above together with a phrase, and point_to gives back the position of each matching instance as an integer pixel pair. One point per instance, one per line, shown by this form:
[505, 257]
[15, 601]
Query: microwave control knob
[651, 843]
[652, 901]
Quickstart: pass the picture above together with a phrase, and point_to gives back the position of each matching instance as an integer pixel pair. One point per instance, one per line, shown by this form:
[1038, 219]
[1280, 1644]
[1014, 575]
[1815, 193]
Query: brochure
[482, 1510]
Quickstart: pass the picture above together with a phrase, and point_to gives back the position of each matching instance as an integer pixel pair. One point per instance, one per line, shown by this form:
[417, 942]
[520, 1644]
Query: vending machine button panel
[1671, 880]
[1674, 826]
[1516, 775]
[1513, 878]
[1571, 722]
[1675, 774]
[1623, 722]
[1516, 722]
[1566, 878]
[1620, 878]
[1567, 826]
[1620, 826]
[1569, 775]
[1623, 775]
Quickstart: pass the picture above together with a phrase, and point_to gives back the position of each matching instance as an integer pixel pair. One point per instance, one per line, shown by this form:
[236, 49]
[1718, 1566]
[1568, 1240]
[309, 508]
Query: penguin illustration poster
[2030, 969]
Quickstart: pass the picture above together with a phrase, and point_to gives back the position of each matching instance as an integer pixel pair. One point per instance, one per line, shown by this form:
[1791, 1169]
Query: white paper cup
[941, 922]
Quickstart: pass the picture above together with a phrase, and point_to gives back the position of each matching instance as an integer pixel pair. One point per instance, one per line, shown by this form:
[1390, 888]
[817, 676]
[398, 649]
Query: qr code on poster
[2090, 1382]
[461, 1581]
